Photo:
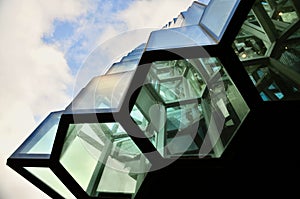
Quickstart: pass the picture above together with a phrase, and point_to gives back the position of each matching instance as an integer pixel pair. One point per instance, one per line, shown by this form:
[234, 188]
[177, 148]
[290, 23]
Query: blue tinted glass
[42, 139]
[179, 37]
[264, 96]
[193, 14]
[217, 16]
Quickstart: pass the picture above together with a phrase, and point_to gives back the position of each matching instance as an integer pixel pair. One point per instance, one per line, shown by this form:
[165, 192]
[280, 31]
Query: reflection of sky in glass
[221, 10]
[179, 37]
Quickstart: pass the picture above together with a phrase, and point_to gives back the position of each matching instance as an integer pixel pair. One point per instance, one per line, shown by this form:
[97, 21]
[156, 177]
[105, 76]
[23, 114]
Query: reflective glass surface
[103, 92]
[179, 37]
[124, 66]
[193, 15]
[42, 139]
[49, 178]
[217, 16]
[103, 158]
[189, 107]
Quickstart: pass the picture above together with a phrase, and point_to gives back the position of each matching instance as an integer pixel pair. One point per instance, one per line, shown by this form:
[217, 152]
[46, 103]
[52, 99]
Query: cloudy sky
[44, 48]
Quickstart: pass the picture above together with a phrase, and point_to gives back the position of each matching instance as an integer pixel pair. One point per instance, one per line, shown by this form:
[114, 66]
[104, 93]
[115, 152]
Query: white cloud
[114, 34]
[153, 13]
[33, 76]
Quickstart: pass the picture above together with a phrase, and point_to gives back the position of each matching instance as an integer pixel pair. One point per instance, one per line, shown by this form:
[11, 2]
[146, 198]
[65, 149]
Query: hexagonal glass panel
[189, 107]
[102, 158]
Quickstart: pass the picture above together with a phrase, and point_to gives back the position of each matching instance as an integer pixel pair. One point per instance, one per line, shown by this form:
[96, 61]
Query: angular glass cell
[50, 179]
[203, 121]
[131, 57]
[42, 139]
[186, 36]
[170, 81]
[102, 158]
[123, 66]
[222, 11]
[193, 15]
[103, 92]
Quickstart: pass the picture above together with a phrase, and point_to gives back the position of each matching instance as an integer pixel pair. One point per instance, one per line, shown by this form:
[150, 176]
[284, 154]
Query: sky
[47, 54]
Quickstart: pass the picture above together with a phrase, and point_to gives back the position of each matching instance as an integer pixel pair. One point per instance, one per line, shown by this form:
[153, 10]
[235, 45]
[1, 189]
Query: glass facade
[187, 107]
[97, 154]
[195, 26]
[182, 100]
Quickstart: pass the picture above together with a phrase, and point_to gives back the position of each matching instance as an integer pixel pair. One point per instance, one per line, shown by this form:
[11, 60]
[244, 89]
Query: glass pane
[103, 92]
[123, 66]
[193, 14]
[42, 139]
[179, 37]
[50, 179]
[206, 112]
[222, 11]
[175, 80]
[103, 158]
[282, 13]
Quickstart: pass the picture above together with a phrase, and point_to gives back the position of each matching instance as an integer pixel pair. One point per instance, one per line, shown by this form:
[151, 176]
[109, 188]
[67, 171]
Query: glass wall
[102, 158]
[189, 107]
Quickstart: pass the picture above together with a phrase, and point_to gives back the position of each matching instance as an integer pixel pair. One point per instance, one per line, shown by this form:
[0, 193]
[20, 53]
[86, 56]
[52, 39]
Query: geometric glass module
[189, 107]
[102, 92]
[268, 46]
[49, 178]
[102, 159]
[202, 24]
[32, 158]
[41, 141]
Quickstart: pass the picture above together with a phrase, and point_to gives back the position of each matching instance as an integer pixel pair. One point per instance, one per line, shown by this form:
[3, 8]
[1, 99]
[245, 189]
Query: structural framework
[185, 95]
